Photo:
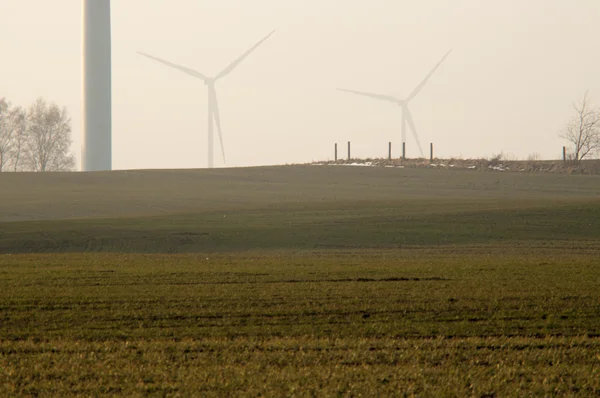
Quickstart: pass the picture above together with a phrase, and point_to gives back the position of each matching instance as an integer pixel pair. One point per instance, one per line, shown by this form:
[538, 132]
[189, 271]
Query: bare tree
[5, 133]
[18, 120]
[12, 134]
[48, 138]
[583, 131]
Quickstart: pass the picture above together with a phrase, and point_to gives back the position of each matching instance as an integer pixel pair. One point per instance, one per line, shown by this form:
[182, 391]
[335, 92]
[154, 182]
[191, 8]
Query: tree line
[37, 138]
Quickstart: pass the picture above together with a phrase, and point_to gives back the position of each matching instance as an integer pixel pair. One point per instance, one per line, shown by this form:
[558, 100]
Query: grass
[310, 367]
[426, 283]
[359, 225]
[60, 196]
[450, 321]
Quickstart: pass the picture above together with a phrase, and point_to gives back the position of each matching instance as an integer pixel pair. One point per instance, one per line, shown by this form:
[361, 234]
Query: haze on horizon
[508, 85]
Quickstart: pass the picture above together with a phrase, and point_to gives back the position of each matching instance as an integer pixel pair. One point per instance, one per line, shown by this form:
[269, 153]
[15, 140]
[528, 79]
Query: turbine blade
[411, 123]
[215, 106]
[183, 69]
[371, 95]
[235, 63]
[420, 86]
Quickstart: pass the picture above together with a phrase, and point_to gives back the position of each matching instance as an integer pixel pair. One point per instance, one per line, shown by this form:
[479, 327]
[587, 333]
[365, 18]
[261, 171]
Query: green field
[300, 281]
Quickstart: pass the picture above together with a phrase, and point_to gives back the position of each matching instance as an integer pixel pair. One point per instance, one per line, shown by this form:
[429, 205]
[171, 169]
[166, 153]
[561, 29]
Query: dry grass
[481, 367]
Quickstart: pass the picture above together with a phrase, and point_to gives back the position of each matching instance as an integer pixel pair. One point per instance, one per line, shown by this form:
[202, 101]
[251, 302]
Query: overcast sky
[508, 85]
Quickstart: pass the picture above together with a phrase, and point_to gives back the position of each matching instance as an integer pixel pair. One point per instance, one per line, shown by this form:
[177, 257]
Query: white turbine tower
[97, 119]
[213, 104]
[406, 115]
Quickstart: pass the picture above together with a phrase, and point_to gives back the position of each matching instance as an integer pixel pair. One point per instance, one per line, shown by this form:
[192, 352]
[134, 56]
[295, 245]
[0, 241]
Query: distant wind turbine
[213, 104]
[406, 115]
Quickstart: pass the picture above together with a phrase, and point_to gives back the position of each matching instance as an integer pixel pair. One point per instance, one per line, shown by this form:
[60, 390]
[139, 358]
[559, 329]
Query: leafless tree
[5, 133]
[12, 134]
[18, 120]
[583, 131]
[48, 138]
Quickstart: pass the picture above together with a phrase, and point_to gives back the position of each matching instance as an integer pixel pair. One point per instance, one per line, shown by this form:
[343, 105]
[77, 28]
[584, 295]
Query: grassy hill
[292, 207]
[308, 280]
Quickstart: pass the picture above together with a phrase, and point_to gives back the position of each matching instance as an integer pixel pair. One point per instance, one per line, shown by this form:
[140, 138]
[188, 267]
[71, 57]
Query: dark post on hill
[404, 151]
[348, 150]
[335, 151]
[564, 154]
[431, 152]
[390, 151]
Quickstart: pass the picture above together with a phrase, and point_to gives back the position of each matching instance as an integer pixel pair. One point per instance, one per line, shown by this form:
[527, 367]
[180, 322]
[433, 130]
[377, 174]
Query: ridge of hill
[54, 196]
[292, 207]
[497, 163]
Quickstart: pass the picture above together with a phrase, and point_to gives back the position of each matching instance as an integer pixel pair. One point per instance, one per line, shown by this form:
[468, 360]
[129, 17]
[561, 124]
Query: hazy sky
[508, 85]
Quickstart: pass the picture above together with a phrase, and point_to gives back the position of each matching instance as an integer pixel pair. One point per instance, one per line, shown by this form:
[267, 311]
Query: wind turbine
[213, 104]
[406, 115]
[96, 81]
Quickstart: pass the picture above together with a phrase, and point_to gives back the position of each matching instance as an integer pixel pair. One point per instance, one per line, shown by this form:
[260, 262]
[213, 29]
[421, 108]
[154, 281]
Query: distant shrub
[496, 159]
